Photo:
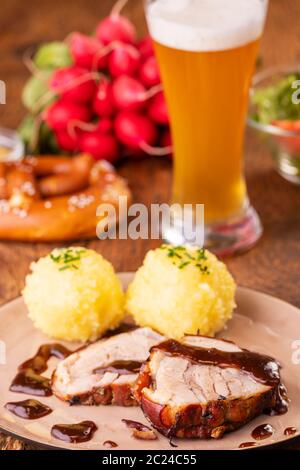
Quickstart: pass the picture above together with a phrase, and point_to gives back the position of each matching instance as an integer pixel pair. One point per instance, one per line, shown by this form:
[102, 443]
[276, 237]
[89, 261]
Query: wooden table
[272, 266]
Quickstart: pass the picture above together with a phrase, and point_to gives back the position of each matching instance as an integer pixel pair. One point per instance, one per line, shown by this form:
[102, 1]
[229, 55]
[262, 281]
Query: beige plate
[261, 323]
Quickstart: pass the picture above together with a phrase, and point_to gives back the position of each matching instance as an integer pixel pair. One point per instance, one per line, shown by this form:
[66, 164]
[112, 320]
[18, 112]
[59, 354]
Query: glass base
[225, 239]
[288, 166]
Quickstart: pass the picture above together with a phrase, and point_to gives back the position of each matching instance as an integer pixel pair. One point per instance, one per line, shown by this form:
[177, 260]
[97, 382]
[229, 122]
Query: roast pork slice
[104, 372]
[203, 387]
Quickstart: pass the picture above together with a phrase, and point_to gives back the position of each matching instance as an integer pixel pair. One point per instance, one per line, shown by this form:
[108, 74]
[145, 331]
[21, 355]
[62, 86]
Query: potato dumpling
[74, 294]
[181, 290]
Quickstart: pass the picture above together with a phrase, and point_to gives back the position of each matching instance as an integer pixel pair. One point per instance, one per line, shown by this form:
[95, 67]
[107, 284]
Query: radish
[166, 139]
[67, 141]
[74, 84]
[149, 72]
[124, 59]
[100, 146]
[134, 130]
[105, 126]
[60, 114]
[158, 110]
[146, 47]
[129, 94]
[116, 27]
[85, 49]
[103, 100]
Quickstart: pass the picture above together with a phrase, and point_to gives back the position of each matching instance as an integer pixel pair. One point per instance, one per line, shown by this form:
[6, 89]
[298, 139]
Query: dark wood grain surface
[273, 266]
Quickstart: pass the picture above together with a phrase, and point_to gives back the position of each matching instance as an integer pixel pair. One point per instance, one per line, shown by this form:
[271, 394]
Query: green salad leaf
[275, 101]
[34, 90]
[45, 141]
[26, 128]
[53, 55]
[36, 97]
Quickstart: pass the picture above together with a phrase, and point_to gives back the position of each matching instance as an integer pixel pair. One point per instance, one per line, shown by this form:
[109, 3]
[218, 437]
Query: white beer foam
[206, 25]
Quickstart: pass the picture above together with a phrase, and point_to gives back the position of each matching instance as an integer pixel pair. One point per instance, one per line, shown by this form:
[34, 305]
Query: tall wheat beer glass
[207, 51]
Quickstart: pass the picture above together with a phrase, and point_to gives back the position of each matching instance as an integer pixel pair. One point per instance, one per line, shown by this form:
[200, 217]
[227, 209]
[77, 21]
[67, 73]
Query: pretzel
[45, 199]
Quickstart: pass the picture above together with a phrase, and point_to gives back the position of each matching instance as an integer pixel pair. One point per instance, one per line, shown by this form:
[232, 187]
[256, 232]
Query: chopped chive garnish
[183, 265]
[67, 258]
[182, 258]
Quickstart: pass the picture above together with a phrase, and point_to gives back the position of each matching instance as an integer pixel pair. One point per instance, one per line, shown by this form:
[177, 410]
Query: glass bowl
[283, 143]
[11, 146]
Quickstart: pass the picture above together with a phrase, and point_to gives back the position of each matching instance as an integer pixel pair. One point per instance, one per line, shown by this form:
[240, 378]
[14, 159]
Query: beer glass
[207, 51]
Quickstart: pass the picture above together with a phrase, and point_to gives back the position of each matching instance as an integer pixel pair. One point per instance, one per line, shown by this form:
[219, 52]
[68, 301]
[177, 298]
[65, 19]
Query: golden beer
[208, 104]
[207, 51]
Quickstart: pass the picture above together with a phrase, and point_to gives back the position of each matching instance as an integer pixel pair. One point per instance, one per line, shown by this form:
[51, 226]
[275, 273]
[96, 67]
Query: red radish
[84, 50]
[73, 84]
[124, 59]
[129, 94]
[134, 130]
[158, 110]
[60, 114]
[100, 146]
[105, 126]
[149, 72]
[67, 141]
[166, 139]
[116, 28]
[146, 47]
[103, 101]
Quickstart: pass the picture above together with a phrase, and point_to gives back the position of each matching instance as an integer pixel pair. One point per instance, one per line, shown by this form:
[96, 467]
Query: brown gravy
[30, 383]
[74, 433]
[262, 432]
[28, 409]
[120, 367]
[244, 445]
[123, 328]
[110, 444]
[29, 379]
[39, 362]
[136, 425]
[290, 431]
